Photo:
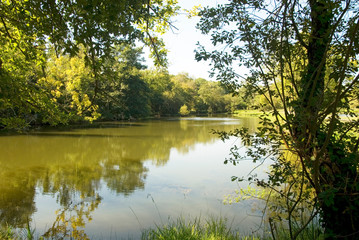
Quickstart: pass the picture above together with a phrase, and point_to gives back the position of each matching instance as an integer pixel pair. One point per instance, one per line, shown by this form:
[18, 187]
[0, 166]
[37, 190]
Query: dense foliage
[53, 54]
[304, 54]
[64, 90]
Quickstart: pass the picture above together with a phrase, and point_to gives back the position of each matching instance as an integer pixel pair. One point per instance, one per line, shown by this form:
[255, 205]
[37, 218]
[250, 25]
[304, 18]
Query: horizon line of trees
[64, 90]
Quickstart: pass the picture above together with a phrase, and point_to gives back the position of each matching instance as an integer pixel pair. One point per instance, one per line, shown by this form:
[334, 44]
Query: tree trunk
[333, 178]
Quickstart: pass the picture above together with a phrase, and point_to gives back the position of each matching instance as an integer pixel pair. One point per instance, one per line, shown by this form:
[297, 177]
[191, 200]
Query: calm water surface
[116, 179]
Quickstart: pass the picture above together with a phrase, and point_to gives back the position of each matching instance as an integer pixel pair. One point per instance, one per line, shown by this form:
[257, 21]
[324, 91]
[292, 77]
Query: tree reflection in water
[73, 165]
[71, 219]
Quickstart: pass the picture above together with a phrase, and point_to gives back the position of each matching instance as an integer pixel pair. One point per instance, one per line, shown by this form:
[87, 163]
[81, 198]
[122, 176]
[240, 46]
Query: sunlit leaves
[80, 36]
[301, 57]
[95, 24]
[70, 82]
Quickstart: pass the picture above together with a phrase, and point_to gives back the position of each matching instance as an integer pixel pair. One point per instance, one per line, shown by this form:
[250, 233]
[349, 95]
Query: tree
[307, 50]
[28, 29]
[212, 94]
[159, 82]
[23, 100]
[184, 110]
[123, 91]
[136, 98]
[70, 87]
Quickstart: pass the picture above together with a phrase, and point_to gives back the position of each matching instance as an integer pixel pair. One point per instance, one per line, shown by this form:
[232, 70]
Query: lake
[114, 179]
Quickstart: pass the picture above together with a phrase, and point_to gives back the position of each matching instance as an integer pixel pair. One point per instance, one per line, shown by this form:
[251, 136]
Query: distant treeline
[63, 89]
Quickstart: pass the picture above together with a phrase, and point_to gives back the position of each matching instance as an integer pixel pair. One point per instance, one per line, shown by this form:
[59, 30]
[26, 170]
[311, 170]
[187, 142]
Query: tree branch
[9, 35]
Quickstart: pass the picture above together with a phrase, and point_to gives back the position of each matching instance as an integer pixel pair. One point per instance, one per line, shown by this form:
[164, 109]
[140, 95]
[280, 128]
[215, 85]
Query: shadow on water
[71, 128]
[78, 135]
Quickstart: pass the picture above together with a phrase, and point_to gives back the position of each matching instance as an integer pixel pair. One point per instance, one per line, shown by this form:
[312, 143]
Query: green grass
[240, 113]
[312, 231]
[212, 229]
[8, 233]
[217, 229]
[197, 229]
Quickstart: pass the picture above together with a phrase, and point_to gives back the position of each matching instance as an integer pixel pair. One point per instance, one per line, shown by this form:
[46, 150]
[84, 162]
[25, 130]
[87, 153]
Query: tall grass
[217, 229]
[311, 232]
[6, 233]
[197, 229]
[212, 229]
[9, 233]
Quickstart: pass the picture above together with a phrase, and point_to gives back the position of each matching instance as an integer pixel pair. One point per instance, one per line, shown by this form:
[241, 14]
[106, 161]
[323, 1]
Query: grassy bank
[181, 229]
[217, 229]
[195, 230]
[243, 113]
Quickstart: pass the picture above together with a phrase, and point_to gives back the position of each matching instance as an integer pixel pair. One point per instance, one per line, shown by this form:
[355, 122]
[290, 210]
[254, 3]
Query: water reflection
[16, 198]
[72, 165]
[71, 220]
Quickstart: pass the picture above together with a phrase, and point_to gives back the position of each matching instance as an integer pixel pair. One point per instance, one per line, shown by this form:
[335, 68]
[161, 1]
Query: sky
[181, 43]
